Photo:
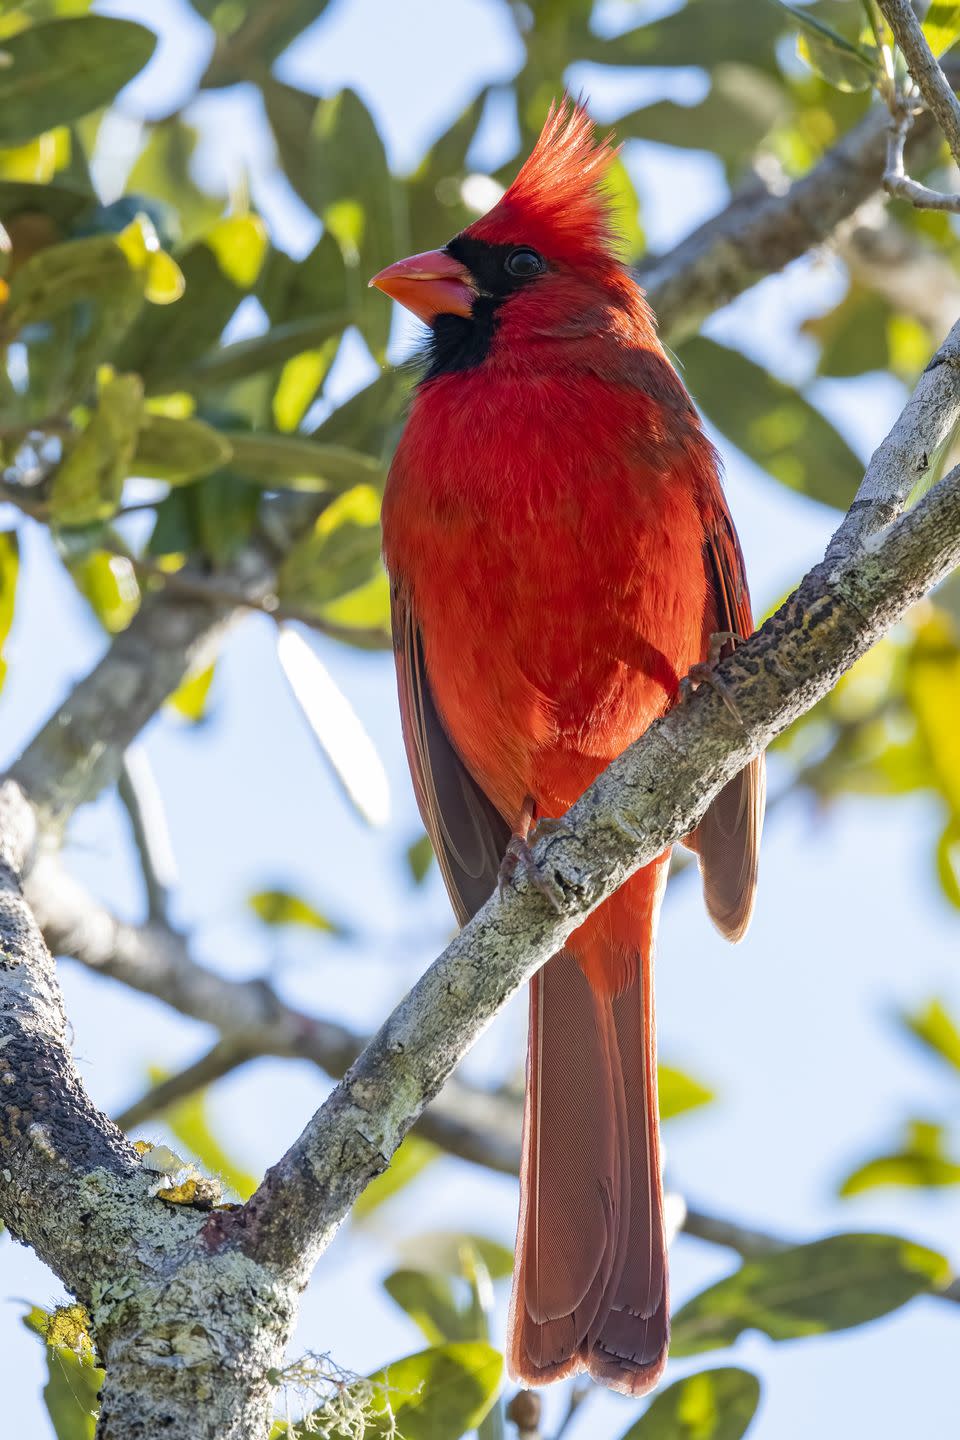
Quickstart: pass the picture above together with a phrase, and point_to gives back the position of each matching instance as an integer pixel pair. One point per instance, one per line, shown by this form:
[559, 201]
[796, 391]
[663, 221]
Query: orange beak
[429, 285]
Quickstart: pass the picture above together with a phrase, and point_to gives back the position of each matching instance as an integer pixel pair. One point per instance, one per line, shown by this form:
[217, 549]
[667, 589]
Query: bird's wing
[468, 834]
[728, 837]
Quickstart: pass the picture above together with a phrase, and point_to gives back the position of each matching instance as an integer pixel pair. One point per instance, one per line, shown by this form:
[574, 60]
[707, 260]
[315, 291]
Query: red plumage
[561, 553]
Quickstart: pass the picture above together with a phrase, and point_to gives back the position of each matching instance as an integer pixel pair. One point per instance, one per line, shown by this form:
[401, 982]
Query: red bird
[561, 555]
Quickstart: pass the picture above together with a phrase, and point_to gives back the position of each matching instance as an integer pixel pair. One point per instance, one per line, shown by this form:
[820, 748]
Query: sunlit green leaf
[412, 1157]
[712, 1405]
[832, 1284]
[60, 70]
[941, 25]
[771, 422]
[192, 695]
[935, 1027]
[88, 482]
[933, 688]
[679, 1092]
[341, 553]
[109, 583]
[282, 907]
[9, 570]
[922, 1161]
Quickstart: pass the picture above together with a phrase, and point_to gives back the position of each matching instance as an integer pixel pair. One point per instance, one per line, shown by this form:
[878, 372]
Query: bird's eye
[523, 263]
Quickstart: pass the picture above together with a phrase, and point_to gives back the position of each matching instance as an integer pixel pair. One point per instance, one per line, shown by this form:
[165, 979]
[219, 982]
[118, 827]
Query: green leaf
[942, 25]
[88, 483]
[179, 451]
[58, 276]
[72, 1391]
[923, 1161]
[234, 362]
[369, 419]
[189, 1121]
[55, 72]
[349, 185]
[341, 553]
[705, 32]
[438, 1394]
[933, 690]
[832, 1284]
[163, 171]
[679, 1092]
[434, 192]
[411, 1157]
[191, 698]
[841, 62]
[9, 571]
[741, 107]
[935, 1028]
[771, 422]
[430, 1302]
[282, 907]
[712, 1405]
[109, 584]
[442, 1251]
[420, 858]
[295, 462]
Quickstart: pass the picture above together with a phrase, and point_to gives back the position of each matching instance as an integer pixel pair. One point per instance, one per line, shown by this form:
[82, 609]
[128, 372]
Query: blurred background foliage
[165, 415]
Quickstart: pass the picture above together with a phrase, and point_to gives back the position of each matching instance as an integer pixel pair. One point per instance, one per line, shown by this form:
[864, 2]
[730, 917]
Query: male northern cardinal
[561, 555]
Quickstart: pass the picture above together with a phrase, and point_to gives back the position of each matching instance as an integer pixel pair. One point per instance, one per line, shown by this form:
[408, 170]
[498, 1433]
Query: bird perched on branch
[561, 557]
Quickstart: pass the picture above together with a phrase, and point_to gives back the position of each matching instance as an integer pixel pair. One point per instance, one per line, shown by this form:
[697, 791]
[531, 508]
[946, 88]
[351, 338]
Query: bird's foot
[706, 673]
[520, 852]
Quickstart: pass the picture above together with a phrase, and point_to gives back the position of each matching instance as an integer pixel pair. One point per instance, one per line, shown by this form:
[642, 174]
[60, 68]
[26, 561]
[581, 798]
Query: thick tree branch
[900, 463]
[646, 800]
[189, 1339]
[250, 1015]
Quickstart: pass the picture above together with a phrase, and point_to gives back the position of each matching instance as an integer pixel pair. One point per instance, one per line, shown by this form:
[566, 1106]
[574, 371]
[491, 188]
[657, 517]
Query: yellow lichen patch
[142, 1147]
[68, 1329]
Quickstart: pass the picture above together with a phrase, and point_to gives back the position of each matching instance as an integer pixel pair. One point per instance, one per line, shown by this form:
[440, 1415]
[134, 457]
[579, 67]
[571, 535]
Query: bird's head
[542, 262]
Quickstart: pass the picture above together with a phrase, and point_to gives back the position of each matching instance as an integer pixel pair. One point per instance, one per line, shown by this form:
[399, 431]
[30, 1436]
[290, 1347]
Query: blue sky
[792, 1029]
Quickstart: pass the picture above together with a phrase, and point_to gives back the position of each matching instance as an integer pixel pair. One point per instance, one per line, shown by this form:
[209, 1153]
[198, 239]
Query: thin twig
[221, 592]
[896, 181]
[225, 1056]
[924, 69]
[140, 795]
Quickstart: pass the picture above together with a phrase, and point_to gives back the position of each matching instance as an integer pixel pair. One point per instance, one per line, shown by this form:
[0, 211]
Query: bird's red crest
[558, 203]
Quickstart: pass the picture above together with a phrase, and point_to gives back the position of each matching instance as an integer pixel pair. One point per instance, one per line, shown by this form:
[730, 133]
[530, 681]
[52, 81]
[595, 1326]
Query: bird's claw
[520, 852]
[706, 674]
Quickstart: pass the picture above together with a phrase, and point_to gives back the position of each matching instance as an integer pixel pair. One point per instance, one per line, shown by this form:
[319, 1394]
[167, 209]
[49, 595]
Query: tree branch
[79, 751]
[647, 799]
[930, 79]
[763, 229]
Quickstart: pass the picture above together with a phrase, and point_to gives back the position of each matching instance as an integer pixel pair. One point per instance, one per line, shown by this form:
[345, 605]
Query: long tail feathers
[590, 1282]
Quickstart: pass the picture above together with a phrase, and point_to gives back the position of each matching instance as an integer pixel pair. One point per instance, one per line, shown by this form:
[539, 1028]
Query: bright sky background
[792, 1029]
